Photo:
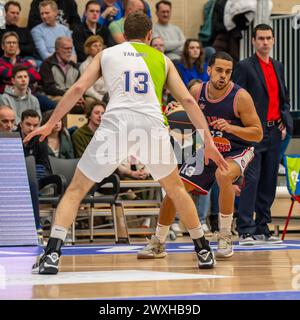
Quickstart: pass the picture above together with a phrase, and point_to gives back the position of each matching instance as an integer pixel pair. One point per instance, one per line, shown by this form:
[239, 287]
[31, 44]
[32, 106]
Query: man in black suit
[263, 78]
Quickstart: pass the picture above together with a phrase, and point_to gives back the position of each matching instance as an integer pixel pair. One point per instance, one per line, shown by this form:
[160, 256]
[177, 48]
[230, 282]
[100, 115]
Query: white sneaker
[175, 227]
[270, 239]
[153, 250]
[225, 247]
[205, 228]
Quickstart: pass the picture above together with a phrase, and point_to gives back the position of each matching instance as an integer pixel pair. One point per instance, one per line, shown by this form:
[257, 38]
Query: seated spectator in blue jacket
[111, 10]
[192, 64]
[45, 34]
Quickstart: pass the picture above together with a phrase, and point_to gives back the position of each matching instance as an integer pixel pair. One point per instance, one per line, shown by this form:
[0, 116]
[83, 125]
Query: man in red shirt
[263, 78]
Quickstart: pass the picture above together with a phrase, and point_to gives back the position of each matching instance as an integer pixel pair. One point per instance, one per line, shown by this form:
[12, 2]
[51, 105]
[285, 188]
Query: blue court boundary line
[259, 295]
[110, 249]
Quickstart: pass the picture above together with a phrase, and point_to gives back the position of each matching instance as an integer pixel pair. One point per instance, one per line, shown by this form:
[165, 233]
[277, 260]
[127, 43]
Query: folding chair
[292, 168]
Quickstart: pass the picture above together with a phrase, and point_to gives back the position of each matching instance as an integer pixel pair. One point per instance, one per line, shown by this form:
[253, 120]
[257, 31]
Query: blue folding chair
[292, 172]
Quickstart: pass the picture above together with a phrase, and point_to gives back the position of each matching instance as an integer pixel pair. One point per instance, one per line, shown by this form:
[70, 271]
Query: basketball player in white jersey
[134, 74]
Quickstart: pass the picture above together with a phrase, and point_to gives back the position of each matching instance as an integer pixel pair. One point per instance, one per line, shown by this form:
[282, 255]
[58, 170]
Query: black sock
[200, 244]
[54, 245]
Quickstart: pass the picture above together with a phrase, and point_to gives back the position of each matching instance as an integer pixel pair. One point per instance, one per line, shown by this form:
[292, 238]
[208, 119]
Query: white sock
[225, 221]
[162, 232]
[59, 232]
[196, 233]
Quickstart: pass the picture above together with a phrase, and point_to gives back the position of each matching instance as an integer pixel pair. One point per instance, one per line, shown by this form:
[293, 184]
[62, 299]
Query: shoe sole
[206, 266]
[273, 242]
[48, 271]
[157, 256]
[250, 244]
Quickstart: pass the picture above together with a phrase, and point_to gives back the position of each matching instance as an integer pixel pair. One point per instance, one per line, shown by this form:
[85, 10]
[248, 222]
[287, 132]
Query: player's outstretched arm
[70, 98]
[182, 95]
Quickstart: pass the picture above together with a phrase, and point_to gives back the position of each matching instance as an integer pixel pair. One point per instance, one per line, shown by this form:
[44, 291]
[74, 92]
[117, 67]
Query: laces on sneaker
[224, 241]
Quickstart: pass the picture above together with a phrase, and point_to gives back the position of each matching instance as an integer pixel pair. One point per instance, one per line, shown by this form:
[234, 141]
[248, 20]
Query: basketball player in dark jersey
[234, 125]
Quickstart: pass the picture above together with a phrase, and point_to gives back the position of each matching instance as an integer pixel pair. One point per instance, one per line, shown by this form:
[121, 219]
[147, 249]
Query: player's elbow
[79, 89]
[187, 102]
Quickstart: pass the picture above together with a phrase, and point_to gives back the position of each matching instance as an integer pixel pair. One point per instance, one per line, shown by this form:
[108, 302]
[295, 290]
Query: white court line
[103, 277]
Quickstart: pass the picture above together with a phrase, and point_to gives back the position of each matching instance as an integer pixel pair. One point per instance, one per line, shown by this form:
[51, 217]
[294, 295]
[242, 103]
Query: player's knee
[176, 191]
[223, 177]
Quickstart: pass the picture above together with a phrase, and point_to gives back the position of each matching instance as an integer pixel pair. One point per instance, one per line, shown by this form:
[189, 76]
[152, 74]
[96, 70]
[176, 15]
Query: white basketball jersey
[134, 74]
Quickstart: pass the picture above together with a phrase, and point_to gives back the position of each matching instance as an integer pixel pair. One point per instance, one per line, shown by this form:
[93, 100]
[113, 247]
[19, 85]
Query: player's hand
[212, 153]
[172, 106]
[109, 11]
[42, 131]
[221, 125]
[282, 128]
[139, 174]
[237, 190]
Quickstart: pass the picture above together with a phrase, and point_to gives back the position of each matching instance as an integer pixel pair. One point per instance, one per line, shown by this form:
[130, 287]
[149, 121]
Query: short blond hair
[91, 40]
[50, 3]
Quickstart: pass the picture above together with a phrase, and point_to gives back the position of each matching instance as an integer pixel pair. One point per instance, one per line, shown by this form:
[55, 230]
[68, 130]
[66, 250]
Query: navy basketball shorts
[190, 171]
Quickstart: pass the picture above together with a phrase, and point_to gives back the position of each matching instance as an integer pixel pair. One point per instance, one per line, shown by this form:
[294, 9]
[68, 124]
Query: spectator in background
[59, 141]
[10, 46]
[117, 27]
[67, 13]
[30, 120]
[19, 96]
[263, 78]
[192, 64]
[45, 34]
[111, 10]
[158, 44]
[59, 73]
[92, 46]
[7, 118]
[82, 136]
[12, 16]
[89, 28]
[172, 35]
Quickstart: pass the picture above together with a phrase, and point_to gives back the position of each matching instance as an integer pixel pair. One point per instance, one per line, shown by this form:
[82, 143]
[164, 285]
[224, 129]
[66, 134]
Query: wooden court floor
[115, 272]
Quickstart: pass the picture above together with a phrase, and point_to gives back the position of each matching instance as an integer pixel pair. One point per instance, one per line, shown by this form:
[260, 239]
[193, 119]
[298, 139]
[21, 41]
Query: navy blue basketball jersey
[223, 108]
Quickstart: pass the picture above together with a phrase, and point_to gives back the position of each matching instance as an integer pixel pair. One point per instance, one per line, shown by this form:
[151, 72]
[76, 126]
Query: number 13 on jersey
[138, 81]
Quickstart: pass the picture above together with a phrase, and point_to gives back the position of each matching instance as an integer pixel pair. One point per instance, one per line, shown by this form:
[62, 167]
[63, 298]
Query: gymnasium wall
[187, 14]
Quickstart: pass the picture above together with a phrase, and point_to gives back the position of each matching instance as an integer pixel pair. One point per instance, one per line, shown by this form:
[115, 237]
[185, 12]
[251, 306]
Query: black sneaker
[248, 239]
[46, 264]
[206, 259]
